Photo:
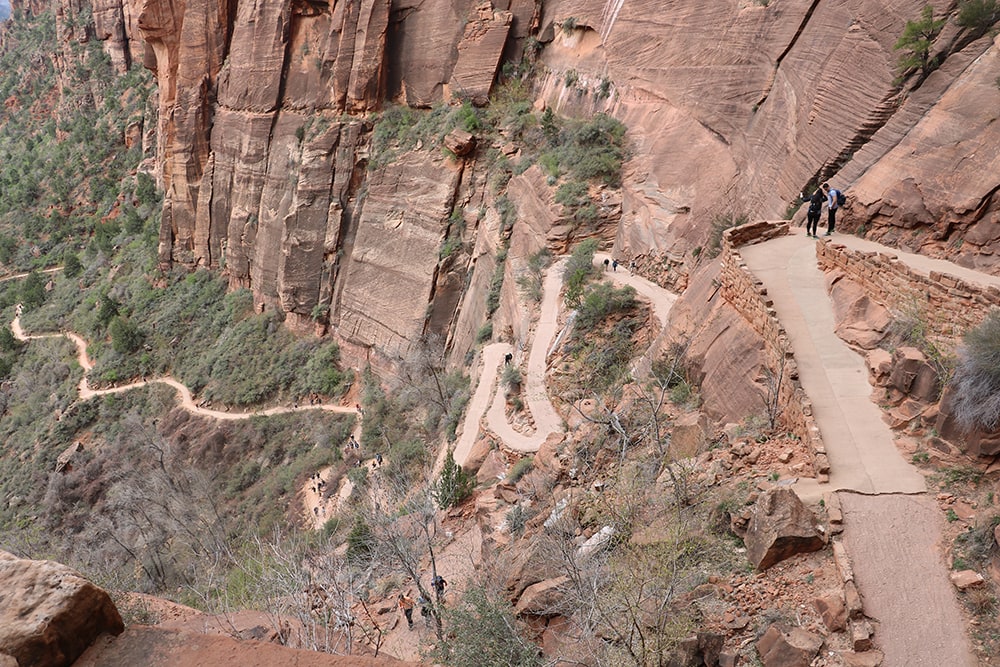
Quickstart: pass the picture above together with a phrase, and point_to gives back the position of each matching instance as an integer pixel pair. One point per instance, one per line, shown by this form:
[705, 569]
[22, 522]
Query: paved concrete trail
[893, 540]
[547, 420]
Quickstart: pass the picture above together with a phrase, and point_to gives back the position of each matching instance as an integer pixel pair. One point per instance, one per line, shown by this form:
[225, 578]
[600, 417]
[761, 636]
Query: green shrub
[916, 42]
[511, 376]
[978, 16]
[598, 302]
[579, 268]
[454, 484]
[520, 469]
[360, 542]
[483, 632]
[126, 337]
[977, 376]
[485, 332]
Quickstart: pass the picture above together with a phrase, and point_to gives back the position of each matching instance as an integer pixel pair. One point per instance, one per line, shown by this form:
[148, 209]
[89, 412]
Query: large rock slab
[781, 646]
[859, 320]
[542, 598]
[780, 527]
[49, 614]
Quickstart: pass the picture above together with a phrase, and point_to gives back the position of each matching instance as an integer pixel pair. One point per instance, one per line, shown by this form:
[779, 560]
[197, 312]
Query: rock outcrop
[264, 129]
[49, 614]
[781, 646]
[780, 527]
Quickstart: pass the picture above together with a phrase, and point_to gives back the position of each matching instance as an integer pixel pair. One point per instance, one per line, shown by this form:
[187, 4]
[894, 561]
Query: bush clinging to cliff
[977, 376]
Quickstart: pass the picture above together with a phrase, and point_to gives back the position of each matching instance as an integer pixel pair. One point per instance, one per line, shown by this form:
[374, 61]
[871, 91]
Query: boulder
[859, 320]
[688, 435]
[861, 634]
[49, 614]
[867, 659]
[906, 364]
[781, 646]
[697, 650]
[833, 611]
[460, 142]
[780, 527]
[966, 579]
[879, 363]
[541, 599]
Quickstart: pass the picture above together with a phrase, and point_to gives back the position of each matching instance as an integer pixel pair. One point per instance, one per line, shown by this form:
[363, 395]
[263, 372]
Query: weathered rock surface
[788, 647]
[479, 54]
[859, 320]
[780, 527]
[49, 614]
[542, 598]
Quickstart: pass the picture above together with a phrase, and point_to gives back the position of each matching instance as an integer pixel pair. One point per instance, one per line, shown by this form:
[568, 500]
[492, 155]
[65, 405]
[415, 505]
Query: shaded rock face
[788, 647]
[780, 527]
[860, 321]
[49, 614]
[935, 192]
[264, 175]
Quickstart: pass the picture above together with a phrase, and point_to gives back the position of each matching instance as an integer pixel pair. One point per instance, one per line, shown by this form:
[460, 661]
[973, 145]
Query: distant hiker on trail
[812, 215]
[378, 459]
[438, 583]
[614, 265]
[425, 610]
[606, 262]
[833, 200]
[406, 604]
[507, 357]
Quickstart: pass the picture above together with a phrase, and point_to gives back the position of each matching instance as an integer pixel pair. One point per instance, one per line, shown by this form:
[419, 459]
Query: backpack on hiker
[841, 198]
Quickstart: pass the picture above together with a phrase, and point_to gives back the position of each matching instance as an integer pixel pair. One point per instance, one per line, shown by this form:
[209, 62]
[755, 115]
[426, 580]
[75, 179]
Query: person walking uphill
[406, 604]
[833, 198]
[812, 215]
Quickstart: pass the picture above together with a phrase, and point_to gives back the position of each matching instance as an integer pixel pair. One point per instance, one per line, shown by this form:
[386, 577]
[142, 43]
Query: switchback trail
[547, 420]
[893, 540]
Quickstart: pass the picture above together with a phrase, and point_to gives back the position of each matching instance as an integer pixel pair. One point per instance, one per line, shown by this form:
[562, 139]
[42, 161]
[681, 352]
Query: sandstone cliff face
[733, 110]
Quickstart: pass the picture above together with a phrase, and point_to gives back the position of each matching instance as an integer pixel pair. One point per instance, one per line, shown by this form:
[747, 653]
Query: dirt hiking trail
[893, 540]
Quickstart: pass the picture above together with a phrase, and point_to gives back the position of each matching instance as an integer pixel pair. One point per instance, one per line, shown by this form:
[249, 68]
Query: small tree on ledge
[916, 42]
[453, 486]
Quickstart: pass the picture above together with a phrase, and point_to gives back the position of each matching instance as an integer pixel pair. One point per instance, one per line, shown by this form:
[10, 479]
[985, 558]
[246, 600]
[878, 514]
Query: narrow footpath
[892, 525]
[547, 420]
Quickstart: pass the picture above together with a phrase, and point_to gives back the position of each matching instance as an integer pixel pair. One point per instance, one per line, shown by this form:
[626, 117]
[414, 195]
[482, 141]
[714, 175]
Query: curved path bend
[186, 398]
[892, 525]
[547, 420]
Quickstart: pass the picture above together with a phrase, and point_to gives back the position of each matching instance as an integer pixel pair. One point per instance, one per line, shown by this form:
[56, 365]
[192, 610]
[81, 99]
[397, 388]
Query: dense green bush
[483, 632]
[978, 16]
[916, 40]
[579, 268]
[453, 484]
[598, 302]
[977, 376]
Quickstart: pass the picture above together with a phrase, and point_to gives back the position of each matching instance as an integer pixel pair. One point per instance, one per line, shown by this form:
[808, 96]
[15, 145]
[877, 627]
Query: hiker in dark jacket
[812, 215]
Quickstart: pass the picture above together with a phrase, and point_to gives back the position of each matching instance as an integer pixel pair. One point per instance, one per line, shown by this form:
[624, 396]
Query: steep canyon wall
[266, 114]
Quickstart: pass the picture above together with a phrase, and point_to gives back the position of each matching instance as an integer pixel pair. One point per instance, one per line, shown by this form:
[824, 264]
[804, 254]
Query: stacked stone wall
[749, 297]
[950, 306]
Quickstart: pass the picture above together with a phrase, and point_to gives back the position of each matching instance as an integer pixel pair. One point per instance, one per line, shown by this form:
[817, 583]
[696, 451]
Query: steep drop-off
[733, 109]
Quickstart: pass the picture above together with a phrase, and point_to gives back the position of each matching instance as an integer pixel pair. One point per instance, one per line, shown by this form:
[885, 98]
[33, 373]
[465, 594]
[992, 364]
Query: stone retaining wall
[950, 305]
[749, 297]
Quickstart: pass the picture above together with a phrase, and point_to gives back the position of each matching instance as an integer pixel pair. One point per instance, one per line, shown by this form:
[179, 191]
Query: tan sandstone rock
[780, 527]
[49, 614]
[781, 646]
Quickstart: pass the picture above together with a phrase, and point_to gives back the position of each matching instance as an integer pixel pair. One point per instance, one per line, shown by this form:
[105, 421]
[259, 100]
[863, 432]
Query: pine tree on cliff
[916, 42]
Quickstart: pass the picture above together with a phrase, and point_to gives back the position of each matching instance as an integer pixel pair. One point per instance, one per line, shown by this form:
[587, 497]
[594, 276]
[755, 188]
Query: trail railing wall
[749, 297]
